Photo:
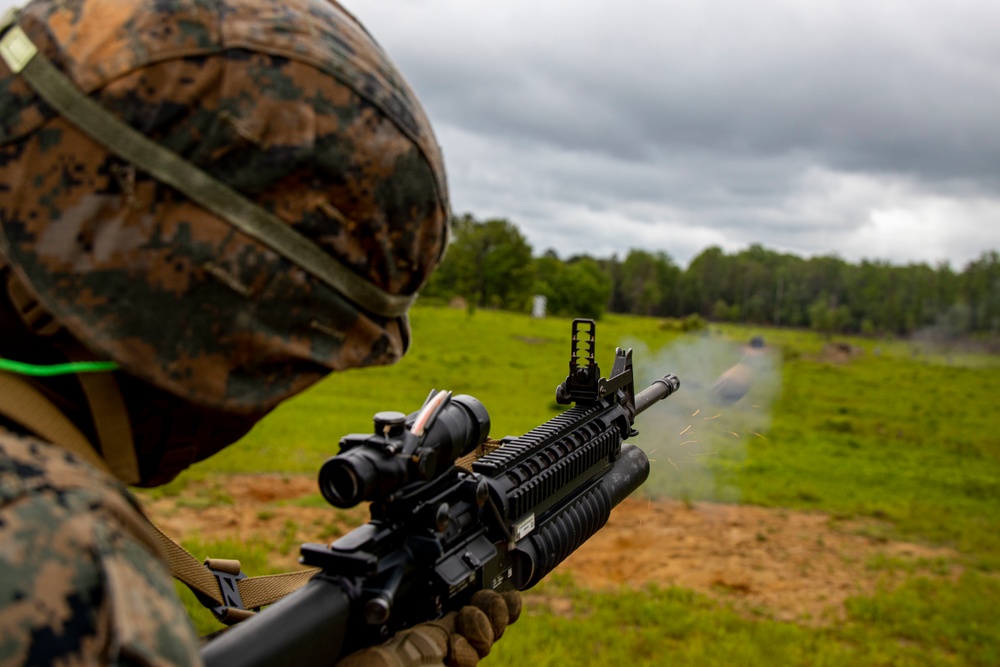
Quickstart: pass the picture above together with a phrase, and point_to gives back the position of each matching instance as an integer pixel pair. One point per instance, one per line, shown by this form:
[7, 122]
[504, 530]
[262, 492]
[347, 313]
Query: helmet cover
[292, 104]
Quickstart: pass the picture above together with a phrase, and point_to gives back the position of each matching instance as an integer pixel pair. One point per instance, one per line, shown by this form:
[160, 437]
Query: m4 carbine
[439, 532]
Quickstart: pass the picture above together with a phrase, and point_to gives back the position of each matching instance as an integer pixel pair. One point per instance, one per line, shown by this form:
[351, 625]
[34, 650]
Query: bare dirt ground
[794, 566]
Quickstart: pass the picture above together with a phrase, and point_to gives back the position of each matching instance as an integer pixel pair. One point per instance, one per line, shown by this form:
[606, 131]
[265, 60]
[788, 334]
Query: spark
[695, 413]
[674, 465]
[686, 442]
[713, 417]
[758, 435]
[685, 430]
[653, 452]
[734, 434]
[704, 453]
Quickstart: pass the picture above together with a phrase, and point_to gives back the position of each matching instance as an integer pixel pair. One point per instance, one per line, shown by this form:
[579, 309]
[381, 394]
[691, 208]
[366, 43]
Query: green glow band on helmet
[22, 368]
[23, 57]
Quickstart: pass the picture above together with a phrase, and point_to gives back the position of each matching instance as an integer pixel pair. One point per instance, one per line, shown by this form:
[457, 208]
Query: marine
[206, 206]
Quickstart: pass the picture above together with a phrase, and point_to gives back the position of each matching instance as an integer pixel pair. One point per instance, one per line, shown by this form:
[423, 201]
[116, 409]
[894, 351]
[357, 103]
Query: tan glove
[459, 639]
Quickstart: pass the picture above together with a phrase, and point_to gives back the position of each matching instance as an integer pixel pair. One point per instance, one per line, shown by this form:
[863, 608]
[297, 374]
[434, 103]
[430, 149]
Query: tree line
[490, 264]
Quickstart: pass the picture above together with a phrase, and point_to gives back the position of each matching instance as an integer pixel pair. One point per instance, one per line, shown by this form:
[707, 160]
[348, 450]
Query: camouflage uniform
[292, 105]
[80, 580]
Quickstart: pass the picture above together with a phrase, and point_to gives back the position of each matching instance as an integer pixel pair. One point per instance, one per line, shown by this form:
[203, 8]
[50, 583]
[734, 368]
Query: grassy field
[509, 362]
[904, 437]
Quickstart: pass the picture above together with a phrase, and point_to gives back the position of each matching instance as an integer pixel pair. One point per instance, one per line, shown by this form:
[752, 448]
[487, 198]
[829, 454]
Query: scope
[373, 467]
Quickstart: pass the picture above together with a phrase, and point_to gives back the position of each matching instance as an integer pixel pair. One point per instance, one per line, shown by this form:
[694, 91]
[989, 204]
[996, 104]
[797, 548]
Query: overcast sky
[868, 129]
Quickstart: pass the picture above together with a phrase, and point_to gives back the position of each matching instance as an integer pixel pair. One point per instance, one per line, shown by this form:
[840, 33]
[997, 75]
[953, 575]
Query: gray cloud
[866, 129]
[810, 127]
[905, 87]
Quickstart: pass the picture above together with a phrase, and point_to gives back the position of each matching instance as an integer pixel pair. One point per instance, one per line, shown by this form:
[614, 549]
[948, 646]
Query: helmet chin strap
[107, 409]
[24, 404]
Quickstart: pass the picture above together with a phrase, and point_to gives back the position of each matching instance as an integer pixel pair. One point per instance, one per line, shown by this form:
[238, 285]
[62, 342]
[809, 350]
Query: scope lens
[339, 483]
[366, 469]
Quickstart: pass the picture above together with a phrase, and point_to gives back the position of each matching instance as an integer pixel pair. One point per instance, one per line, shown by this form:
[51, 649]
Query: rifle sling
[104, 398]
[27, 406]
[107, 409]
[254, 592]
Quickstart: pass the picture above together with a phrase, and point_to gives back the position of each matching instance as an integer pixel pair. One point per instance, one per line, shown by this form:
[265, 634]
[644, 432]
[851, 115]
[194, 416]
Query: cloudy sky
[865, 129]
[860, 128]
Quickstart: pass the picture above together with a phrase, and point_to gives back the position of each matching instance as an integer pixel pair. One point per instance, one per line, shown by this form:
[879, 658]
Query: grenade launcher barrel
[438, 532]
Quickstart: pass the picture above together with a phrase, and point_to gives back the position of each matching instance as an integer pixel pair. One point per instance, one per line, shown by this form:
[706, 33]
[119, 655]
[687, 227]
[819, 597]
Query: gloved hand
[459, 639]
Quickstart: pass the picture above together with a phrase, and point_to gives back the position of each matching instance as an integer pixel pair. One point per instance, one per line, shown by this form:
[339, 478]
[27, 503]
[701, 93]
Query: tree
[576, 288]
[649, 284]
[827, 317]
[981, 291]
[488, 263]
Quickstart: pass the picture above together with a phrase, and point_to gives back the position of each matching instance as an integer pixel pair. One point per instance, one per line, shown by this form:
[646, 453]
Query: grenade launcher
[440, 532]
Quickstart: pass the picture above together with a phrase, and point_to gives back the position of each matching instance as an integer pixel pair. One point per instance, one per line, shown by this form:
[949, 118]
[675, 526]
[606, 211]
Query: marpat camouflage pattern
[293, 105]
[81, 581]
[289, 102]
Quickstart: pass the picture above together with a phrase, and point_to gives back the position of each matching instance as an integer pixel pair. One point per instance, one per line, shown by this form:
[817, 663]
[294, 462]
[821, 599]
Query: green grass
[923, 622]
[902, 435]
[907, 440]
[511, 363]
[913, 440]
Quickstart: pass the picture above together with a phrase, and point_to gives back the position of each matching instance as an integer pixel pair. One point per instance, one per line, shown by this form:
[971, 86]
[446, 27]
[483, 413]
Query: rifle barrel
[659, 390]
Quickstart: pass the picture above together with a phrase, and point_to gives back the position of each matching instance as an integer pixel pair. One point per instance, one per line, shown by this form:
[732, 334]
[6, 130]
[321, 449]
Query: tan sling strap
[104, 398]
[22, 403]
[230, 594]
[488, 446]
[32, 313]
[22, 57]
[107, 409]
[221, 585]
[114, 430]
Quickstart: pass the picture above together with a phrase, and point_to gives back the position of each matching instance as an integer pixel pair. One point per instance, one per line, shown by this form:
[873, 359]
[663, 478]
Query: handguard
[439, 533]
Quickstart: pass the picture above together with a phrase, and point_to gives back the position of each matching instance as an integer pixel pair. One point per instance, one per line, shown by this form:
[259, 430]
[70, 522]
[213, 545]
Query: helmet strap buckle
[34, 315]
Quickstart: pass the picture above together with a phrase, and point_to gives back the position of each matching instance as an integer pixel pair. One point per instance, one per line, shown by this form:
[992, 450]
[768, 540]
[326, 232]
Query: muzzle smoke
[697, 439]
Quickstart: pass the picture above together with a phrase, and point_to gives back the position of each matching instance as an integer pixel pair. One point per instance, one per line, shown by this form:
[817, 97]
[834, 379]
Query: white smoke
[697, 439]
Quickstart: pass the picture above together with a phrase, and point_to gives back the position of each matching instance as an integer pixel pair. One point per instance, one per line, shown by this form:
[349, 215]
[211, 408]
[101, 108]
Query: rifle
[439, 532]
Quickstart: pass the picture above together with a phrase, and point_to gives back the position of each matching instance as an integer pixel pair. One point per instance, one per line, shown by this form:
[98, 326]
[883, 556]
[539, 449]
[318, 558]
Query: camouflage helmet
[289, 103]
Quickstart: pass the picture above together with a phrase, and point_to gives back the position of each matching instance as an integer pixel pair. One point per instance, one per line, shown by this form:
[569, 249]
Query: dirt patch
[839, 352]
[532, 340]
[797, 566]
[265, 510]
